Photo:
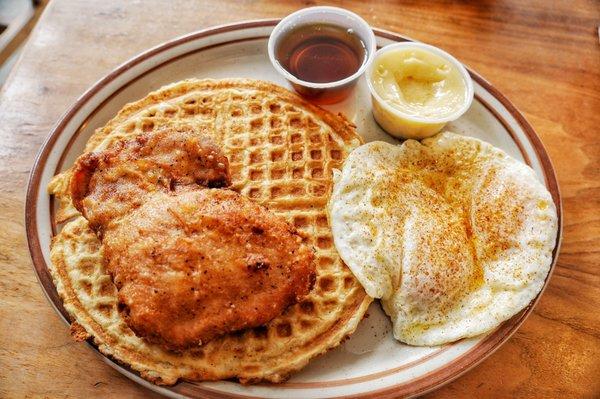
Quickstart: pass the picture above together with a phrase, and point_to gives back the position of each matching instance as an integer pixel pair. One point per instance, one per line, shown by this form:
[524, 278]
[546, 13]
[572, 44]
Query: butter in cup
[416, 89]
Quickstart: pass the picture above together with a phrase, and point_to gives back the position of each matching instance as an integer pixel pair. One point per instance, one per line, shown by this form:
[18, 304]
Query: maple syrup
[321, 53]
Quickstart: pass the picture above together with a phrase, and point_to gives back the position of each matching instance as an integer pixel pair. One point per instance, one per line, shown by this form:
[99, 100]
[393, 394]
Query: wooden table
[544, 57]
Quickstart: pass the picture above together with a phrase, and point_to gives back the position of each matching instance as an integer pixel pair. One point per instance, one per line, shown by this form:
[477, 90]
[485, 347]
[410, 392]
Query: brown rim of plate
[421, 385]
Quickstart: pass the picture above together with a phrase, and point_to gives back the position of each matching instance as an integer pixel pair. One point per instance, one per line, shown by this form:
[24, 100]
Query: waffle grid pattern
[282, 152]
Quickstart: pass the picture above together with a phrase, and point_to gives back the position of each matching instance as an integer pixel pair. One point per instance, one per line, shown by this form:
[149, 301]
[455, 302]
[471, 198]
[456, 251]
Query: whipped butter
[417, 89]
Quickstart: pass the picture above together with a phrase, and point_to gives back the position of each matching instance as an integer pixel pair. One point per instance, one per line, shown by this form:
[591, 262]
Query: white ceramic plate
[371, 363]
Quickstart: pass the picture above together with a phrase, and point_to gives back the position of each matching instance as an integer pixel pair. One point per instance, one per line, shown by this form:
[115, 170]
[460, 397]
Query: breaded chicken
[107, 185]
[200, 263]
[190, 262]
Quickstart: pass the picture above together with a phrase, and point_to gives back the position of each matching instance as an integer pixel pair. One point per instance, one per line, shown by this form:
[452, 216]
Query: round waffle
[281, 151]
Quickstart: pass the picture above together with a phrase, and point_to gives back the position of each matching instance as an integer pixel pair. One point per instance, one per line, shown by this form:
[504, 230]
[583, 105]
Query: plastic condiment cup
[330, 92]
[405, 126]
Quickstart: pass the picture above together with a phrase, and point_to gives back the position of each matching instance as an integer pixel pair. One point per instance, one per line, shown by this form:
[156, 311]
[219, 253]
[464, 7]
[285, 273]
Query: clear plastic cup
[405, 126]
[330, 92]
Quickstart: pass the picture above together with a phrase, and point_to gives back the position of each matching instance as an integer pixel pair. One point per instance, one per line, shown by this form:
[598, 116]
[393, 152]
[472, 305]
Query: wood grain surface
[545, 56]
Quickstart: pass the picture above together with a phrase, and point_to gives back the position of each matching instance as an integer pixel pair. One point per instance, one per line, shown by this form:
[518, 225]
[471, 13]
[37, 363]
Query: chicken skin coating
[107, 185]
[201, 263]
[190, 261]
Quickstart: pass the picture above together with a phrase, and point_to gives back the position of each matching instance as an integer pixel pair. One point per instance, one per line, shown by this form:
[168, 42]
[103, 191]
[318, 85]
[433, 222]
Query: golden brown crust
[196, 264]
[281, 152]
[106, 185]
[189, 263]
[78, 332]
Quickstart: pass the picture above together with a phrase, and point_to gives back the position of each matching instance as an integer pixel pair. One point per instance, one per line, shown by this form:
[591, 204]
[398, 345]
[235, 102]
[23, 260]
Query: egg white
[452, 234]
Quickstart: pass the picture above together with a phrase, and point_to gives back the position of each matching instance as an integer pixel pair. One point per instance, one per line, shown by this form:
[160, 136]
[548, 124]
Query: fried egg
[452, 234]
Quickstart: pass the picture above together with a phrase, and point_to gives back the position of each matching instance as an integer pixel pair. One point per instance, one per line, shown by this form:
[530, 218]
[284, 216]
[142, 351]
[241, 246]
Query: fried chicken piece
[190, 262]
[109, 184]
[201, 263]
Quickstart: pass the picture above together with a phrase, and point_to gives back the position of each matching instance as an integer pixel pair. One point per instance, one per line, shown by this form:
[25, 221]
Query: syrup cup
[330, 92]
